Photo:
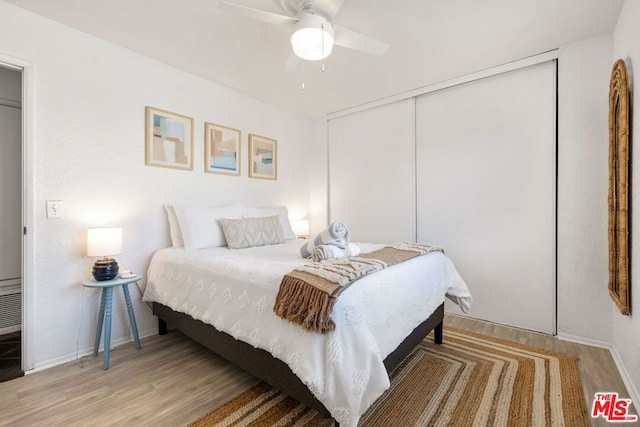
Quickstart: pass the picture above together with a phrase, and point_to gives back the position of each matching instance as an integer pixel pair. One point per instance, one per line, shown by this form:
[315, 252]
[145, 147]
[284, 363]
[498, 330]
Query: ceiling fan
[313, 35]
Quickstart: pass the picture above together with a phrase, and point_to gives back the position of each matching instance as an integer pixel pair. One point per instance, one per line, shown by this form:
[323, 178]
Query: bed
[223, 299]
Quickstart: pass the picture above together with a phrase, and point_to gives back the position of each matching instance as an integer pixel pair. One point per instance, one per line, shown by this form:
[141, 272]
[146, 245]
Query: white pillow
[250, 232]
[200, 227]
[174, 227]
[283, 216]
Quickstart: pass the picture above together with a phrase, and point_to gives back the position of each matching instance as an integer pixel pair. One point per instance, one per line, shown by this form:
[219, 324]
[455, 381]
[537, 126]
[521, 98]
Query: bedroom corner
[90, 155]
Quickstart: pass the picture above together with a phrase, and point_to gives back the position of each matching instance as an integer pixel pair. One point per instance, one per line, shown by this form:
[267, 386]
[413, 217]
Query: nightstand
[105, 312]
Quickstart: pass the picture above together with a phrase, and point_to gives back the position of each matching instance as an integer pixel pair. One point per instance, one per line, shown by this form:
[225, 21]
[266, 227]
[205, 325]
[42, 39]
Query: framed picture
[263, 157]
[169, 139]
[619, 188]
[221, 149]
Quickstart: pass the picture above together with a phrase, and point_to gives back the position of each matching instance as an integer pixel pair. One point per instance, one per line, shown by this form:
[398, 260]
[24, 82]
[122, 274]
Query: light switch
[54, 208]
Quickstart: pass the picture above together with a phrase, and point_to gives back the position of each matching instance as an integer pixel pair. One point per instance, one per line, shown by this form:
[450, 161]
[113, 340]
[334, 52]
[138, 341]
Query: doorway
[11, 229]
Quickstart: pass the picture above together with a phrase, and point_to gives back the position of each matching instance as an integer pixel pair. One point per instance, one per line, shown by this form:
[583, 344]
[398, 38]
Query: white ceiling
[431, 41]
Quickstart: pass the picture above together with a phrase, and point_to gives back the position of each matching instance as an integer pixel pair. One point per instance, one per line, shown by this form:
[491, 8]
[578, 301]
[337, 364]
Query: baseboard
[622, 370]
[584, 341]
[634, 394]
[86, 351]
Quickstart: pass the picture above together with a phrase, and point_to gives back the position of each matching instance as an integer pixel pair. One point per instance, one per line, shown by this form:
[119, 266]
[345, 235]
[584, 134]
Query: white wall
[88, 145]
[626, 329]
[583, 87]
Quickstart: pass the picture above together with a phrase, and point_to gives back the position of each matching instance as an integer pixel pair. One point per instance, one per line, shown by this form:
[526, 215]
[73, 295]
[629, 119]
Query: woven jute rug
[470, 380]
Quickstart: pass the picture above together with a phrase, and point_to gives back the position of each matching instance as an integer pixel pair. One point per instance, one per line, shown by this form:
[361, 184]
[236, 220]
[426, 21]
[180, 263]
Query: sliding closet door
[486, 191]
[371, 173]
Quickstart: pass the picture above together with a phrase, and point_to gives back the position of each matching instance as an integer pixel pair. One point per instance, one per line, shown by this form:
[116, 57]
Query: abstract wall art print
[169, 139]
[263, 157]
[221, 149]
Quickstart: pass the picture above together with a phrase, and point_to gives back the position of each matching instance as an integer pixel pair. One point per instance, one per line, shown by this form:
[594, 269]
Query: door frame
[28, 218]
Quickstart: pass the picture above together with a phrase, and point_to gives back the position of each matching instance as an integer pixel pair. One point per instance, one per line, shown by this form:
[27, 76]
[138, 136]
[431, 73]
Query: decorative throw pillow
[250, 232]
[281, 211]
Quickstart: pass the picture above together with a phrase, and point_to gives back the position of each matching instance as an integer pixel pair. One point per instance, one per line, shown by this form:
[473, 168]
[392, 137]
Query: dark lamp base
[105, 269]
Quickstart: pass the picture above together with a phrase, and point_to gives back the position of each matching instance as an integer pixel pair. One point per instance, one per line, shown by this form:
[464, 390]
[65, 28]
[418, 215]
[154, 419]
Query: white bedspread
[235, 290]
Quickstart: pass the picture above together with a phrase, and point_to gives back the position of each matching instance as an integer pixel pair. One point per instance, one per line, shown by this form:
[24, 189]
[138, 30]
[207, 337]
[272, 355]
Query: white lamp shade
[300, 227]
[312, 38]
[104, 241]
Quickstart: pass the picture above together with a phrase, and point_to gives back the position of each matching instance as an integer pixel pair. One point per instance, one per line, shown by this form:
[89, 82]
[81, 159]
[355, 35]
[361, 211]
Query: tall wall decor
[619, 283]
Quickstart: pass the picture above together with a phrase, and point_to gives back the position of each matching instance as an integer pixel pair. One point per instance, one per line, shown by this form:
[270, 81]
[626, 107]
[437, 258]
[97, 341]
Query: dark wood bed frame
[264, 366]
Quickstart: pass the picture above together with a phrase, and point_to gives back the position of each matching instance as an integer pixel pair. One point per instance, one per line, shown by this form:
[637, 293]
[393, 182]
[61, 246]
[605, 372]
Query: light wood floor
[173, 381]
[598, 371]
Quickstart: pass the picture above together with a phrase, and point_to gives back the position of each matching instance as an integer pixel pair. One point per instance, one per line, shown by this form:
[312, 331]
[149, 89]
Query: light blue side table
[105, 312]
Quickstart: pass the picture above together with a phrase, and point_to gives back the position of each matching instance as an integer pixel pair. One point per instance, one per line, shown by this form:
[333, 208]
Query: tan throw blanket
[307, 294]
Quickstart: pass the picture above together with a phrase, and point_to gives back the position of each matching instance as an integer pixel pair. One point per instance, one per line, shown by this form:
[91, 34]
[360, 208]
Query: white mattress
[235, 290]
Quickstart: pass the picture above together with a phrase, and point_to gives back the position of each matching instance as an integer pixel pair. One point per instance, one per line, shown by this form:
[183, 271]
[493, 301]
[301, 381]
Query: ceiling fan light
[312, 43]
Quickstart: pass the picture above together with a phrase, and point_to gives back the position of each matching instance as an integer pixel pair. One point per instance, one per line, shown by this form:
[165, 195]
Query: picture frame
[168, 139]
[222, 149]
[263, 157]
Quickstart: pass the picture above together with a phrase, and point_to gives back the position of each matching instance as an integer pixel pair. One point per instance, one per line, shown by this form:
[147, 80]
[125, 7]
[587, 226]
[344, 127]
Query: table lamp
[104, 242]
[300, 228]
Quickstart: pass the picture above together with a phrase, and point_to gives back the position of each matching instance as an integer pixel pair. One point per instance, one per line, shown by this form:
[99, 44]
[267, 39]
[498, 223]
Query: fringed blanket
[307, 294]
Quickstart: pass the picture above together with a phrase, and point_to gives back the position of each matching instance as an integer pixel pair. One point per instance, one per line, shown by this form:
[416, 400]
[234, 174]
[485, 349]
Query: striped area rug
[470, 380]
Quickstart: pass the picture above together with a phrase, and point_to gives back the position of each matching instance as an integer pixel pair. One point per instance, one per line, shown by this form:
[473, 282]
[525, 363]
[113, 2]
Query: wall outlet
[54, 208]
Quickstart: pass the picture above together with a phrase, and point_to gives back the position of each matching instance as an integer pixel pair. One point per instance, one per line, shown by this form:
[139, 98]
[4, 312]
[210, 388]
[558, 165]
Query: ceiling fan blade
[353, 40]
[293, 62]
[259, 14]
